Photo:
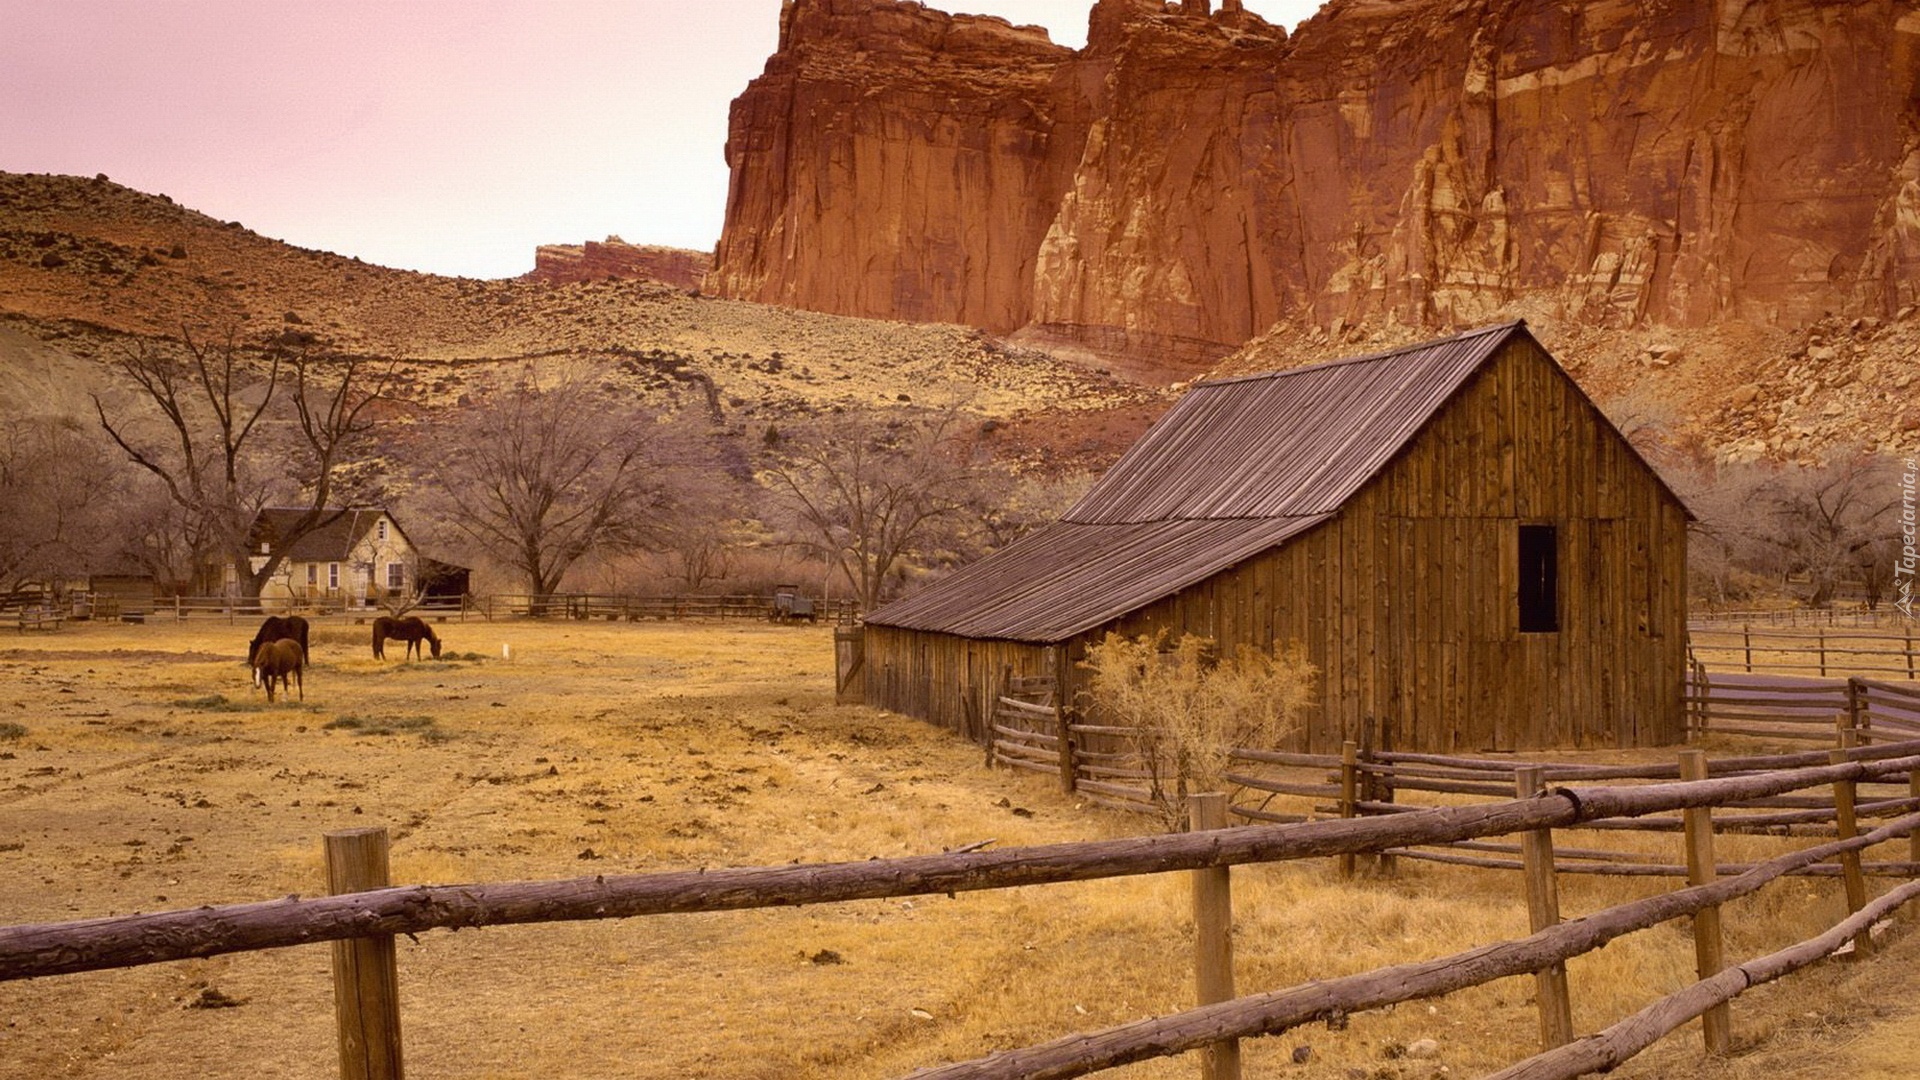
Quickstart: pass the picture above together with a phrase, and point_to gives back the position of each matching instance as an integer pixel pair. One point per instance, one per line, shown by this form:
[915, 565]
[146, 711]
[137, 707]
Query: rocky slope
[88, 267]
[1188, 182]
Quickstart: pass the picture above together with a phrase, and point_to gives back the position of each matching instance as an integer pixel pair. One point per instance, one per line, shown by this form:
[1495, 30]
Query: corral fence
[1887, 616]
[617, 607]
[1370, 778]
[235, 610]
[362, 918]
[1802, 683]
[1818, 651]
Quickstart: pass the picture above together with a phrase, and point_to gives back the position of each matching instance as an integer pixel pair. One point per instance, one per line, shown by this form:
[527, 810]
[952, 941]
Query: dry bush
[1189, 707]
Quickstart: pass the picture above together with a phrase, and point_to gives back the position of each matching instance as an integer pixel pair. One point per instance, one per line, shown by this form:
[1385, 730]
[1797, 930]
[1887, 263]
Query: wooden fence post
[1384, 792]
[1847, 826]
[1063, 713]
[1543, 910]
[1909, 637]
[1823, 651]
[1213, 936]
[1859, 715]
[1913, 838]
[1746, 637]
[1708, 951]
[366, 982]
[1349, 781]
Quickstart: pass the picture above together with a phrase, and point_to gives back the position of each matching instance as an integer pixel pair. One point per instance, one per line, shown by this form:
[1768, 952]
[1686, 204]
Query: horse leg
[300, 679]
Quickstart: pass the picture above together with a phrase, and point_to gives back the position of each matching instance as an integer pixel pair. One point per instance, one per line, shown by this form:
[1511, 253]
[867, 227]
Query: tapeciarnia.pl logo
[1903, 568]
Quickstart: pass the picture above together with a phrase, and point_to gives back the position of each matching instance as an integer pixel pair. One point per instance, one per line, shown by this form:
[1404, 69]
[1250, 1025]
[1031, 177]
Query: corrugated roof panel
[1287, 443]
[1070, 577]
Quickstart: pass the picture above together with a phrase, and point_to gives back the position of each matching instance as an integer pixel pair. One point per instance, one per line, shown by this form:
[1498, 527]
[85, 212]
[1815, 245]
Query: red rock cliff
[615, 258]
[1186, 180]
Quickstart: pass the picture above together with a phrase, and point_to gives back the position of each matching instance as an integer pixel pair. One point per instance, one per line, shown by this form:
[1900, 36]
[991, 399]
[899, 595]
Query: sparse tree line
[553, 481]
[1812, 532]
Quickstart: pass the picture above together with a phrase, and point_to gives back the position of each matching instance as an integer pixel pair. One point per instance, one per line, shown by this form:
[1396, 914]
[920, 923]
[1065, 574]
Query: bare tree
[1832, 521]
[215, 451]
[709, 527]
[539, 477]
[874, 494]
[58, 491]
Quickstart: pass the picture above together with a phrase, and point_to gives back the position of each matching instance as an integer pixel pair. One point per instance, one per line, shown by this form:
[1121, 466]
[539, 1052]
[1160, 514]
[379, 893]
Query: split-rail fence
[363, 917]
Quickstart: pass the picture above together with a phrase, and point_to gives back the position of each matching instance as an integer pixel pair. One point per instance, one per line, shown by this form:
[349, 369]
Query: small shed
[1469, 551]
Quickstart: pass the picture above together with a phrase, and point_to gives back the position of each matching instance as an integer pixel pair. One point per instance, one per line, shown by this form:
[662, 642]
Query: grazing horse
[411, 629]
[280, 660]
[279, 628]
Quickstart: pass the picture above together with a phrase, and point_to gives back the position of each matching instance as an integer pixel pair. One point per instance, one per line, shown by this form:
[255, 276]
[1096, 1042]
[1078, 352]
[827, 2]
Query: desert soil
[139, 771]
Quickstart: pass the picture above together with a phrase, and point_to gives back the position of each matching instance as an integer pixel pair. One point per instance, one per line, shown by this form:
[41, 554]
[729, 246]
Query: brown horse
[280, 660]
[411, 629]
[279, 628]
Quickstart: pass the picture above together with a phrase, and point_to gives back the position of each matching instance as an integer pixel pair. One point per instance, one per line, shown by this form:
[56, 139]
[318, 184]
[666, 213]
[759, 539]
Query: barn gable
[1375, 509]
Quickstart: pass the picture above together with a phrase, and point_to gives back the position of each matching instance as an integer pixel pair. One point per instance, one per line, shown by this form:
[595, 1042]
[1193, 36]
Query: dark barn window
[1539, 580]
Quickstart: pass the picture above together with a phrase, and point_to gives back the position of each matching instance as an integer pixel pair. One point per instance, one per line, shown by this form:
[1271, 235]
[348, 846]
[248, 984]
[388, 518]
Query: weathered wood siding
[929, 675]
[1408, 601]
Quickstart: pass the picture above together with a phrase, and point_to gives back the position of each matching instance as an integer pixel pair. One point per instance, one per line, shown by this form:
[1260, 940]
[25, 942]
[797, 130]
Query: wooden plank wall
[1408, 601]
[943, 678]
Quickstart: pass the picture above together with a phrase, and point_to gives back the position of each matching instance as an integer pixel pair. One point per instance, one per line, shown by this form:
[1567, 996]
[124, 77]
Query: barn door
[849, 657]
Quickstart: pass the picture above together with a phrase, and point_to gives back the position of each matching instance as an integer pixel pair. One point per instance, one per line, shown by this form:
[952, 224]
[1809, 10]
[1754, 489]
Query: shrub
[1189, 707]
[10, 730]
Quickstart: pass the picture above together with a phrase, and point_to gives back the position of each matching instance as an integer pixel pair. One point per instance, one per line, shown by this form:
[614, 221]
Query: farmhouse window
[396, 576]
[1539, 580]
[380, 529]
[333, 575]
[313, 574]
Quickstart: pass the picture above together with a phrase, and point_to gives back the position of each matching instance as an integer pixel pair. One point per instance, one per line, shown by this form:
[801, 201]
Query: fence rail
[1819, 650]
[610, 606]
[375, 915]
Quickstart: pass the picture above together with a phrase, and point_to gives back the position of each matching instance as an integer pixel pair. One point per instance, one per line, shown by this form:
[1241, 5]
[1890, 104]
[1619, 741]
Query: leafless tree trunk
[873, 494]
[539, 477]
[57, 493]
[1833, 520]
[216, 406]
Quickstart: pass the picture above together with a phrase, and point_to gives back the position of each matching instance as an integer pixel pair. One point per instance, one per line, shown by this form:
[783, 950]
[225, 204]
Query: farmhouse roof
[333, 541]
[1236, 467]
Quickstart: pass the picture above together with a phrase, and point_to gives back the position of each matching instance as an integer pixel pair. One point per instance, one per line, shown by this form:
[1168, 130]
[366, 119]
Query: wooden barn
[1470, 552]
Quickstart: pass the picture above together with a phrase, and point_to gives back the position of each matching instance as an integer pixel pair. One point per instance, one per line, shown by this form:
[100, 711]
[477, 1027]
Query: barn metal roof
[1237, 466]
[1068, 577]
[1287, 442]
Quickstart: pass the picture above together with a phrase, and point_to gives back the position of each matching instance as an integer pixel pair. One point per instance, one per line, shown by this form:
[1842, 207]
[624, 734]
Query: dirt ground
[139, 771]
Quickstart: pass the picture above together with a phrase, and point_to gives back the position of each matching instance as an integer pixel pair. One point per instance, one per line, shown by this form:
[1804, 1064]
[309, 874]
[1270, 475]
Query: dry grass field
[139, 771]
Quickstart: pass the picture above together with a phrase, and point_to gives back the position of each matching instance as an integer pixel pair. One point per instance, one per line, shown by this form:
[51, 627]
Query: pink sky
[451, 137]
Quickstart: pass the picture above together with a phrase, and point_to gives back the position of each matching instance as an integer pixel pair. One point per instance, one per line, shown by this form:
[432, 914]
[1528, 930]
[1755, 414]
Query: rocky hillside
[1716, 199]
[88, 267]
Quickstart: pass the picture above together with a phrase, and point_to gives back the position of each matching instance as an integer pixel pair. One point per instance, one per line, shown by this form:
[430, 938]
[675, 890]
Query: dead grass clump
[218, 703]
[9, 730]
[1189, 707]
[424, 726]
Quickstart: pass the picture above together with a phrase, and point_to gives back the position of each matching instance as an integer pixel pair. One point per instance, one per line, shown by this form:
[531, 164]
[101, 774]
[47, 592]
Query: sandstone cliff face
[1186, 180]
[615, 259]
